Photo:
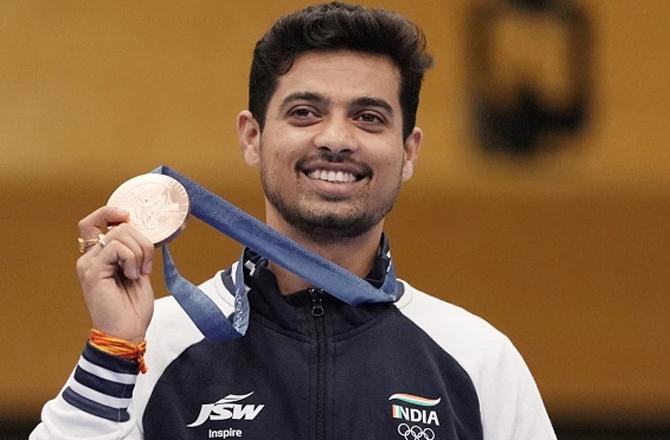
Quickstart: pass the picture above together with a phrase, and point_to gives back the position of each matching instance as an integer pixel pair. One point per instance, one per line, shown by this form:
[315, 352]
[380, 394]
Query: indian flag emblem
[421, 415]
[415, 400]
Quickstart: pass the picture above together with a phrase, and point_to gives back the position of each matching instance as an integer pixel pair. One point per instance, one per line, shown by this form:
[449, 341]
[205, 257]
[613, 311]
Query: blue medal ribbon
[256, 235]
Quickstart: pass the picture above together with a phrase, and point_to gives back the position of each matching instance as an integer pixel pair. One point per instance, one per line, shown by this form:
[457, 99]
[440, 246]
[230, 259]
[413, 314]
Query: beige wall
[566, 252]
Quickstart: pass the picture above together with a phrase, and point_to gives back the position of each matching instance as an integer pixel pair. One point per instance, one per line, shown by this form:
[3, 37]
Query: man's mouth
[334, 171]
[333, 176]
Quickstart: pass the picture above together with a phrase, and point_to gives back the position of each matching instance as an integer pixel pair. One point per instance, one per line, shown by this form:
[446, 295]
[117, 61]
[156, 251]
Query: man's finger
[134, 240]
[118, 254]
[98, 221]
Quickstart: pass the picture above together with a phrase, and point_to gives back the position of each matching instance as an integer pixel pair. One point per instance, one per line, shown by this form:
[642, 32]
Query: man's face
[331, 153]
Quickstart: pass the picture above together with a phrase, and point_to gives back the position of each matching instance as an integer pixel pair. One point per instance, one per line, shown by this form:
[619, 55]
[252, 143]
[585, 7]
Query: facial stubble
[326, 226]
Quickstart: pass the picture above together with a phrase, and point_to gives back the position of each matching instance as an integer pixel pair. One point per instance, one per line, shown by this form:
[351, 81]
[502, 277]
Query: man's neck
[357, 255]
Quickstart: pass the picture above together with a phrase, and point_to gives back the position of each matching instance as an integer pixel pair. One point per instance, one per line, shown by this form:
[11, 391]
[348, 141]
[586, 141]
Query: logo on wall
[528, 72]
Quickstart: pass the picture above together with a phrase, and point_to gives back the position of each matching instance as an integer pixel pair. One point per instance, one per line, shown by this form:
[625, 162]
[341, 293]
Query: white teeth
[332, 176]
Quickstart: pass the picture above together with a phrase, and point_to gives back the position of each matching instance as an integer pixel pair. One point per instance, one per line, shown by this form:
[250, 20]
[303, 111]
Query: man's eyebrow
[305, 96]
[368, 101]
[318, 98]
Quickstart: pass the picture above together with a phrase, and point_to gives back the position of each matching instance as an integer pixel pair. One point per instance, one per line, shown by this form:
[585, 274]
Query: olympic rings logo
[415, 432]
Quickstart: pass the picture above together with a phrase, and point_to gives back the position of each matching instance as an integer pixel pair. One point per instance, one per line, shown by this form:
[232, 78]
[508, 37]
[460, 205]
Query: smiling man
[333, 96]
[332, 154]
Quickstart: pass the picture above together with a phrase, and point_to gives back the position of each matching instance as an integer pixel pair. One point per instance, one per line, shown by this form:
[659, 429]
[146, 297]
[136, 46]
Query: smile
[332, 176]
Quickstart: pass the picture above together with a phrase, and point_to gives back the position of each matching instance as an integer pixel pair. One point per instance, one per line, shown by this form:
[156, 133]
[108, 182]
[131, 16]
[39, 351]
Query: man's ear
[412, 147]
[249, 133]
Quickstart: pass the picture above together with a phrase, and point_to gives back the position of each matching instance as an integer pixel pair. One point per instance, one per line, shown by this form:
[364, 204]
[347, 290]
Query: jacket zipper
[318, 313]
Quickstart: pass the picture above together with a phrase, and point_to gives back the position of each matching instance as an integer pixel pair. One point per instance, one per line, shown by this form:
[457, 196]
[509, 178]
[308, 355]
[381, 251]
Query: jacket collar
[294, 312]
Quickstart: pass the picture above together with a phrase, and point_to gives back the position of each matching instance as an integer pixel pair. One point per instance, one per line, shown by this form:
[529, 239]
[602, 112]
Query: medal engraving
[158, 205]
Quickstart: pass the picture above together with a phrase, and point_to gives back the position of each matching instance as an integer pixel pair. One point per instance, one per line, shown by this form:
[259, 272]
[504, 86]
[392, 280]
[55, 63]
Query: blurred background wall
[563, 245]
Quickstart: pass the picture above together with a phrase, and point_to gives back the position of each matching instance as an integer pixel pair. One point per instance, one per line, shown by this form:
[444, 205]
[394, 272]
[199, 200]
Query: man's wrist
[102, 384]
[118, 347]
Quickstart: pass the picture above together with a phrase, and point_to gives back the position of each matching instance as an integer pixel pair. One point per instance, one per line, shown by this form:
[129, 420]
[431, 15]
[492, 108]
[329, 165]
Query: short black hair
[340, 26]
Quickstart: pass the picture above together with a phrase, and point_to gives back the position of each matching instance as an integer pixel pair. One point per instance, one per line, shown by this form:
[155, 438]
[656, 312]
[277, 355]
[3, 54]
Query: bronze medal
[158, 205]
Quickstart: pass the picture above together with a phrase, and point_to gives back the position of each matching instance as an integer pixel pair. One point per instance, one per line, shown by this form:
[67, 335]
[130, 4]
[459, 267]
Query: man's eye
[302, 112]
[370, 118]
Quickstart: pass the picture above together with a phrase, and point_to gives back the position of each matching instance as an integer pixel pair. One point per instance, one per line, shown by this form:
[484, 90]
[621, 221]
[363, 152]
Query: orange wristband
[119, 347]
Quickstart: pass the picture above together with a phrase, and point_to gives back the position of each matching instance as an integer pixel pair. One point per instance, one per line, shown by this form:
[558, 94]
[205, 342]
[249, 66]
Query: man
[331, 125]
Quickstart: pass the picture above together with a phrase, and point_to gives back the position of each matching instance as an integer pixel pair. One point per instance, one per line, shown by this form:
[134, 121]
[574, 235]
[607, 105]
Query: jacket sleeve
[510, 402]
[95, 403]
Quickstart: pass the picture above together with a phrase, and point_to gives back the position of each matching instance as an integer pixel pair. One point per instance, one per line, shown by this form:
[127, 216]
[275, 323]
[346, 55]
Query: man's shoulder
[496, 368]
[169, 314]
[427, 310]
[172, 331]
[470, 339]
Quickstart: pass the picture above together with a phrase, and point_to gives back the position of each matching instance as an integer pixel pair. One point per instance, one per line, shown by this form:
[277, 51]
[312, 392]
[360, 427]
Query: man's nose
[337, 135]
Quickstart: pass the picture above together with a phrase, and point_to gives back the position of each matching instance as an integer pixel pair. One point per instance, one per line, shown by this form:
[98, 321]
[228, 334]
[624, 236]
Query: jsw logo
[225, 409]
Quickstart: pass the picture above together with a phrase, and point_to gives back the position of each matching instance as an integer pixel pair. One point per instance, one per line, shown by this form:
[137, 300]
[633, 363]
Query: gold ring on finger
[86, 243]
